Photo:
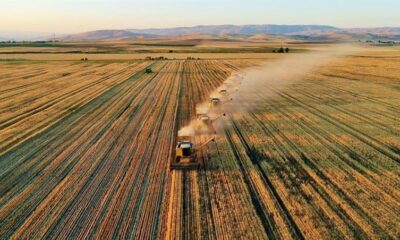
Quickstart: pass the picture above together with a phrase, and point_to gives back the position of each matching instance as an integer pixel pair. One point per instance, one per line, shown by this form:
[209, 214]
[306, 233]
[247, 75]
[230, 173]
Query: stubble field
[85, 150]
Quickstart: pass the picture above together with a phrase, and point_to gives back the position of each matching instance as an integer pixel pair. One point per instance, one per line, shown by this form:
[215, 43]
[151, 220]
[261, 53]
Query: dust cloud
[243, 91]
[196, 127]
[263, 82]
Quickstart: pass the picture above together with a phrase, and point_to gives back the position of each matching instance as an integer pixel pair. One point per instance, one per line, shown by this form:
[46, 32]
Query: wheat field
[85, 151]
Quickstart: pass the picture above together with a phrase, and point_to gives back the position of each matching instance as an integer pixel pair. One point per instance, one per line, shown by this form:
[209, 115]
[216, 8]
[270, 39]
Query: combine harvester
[186, 153]
[185, 150]
[223, 98]
[223, 91]
[204, 118]
[214, 101]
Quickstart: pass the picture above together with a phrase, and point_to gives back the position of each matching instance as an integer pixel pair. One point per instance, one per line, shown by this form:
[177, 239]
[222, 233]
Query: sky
[72, 16]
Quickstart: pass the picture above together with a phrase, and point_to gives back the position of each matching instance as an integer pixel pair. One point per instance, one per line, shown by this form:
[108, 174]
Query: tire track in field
[298, 169]
[369, 140]
[12, 140]
[72, 117]
[353, 159]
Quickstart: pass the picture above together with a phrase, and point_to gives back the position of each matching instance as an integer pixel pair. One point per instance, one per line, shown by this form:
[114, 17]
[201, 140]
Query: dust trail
[262, 82]
[244, 91]
[196, 128]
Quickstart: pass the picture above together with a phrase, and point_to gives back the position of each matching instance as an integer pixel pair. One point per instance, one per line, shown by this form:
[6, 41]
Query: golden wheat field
[85, 149]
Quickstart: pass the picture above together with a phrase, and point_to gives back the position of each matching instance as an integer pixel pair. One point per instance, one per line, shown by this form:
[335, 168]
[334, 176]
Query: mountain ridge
[301, 32]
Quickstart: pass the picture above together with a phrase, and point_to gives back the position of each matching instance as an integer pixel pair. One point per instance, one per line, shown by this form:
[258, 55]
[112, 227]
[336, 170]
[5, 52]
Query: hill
[234, 29]
[105, 35]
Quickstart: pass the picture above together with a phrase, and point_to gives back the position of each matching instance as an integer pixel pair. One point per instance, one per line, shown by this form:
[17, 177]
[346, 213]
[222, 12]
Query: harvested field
[129, 56]
[317, 160]
[81, 148]
[85, 150]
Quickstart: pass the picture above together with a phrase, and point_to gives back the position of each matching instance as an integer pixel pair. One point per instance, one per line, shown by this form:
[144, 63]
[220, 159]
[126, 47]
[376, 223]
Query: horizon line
[191, 26]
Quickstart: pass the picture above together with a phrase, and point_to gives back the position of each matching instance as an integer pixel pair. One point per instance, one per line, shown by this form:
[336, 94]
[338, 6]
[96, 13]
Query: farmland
[318, 160]
[85, 149]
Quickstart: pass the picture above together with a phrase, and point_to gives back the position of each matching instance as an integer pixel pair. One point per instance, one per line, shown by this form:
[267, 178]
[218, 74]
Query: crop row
[86, 147]
[317, 160]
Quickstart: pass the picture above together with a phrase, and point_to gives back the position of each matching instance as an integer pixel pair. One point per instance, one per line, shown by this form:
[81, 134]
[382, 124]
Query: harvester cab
[184, 151]
[223, 91]
[185, 157]
[214, 101]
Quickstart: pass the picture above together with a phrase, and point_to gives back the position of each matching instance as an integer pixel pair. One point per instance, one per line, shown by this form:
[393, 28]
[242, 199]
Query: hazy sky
[68, 16]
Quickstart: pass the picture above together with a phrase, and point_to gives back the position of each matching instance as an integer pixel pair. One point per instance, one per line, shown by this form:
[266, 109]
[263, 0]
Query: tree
[286, 50]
